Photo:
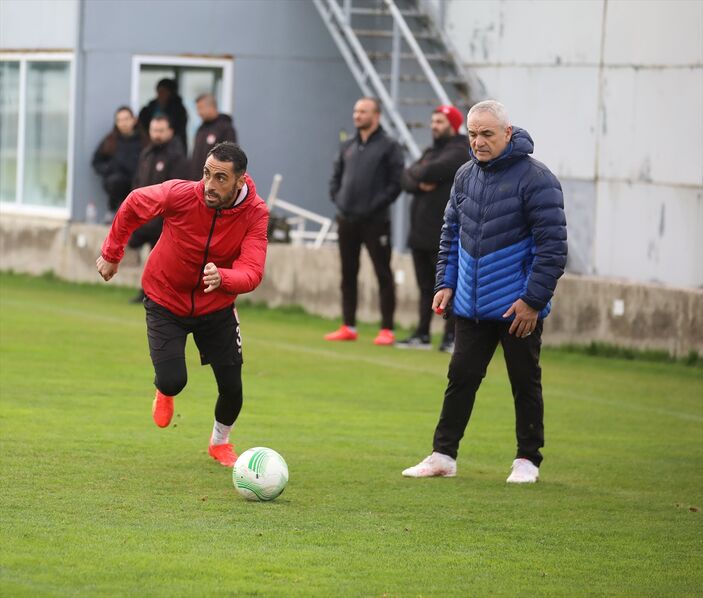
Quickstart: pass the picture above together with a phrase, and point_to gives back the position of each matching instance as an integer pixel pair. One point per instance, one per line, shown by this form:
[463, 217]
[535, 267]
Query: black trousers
[425, 262]
[376, 237]
[219, 342]
[474, 345]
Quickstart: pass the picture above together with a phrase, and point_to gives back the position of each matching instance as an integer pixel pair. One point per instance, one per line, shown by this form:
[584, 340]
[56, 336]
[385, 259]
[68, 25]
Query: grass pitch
[97, 501]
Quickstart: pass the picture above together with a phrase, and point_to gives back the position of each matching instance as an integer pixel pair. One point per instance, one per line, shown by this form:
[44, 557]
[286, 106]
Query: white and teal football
[260, 474]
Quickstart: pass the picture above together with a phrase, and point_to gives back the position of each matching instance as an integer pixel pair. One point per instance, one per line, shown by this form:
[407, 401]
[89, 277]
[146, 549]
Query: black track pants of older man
[475, 343]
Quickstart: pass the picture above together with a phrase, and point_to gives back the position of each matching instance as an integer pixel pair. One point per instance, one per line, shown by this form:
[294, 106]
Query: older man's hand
[525, 319]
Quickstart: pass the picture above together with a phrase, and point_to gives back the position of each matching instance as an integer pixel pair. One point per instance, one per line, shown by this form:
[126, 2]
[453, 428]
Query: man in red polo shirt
[212, 248]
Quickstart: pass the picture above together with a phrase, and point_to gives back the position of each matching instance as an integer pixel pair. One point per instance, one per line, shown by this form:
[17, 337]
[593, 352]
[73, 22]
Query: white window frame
[19, 207]
[226, 64]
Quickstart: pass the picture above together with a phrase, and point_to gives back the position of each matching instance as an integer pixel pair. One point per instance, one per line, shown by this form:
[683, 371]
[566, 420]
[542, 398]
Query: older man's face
[487, 136]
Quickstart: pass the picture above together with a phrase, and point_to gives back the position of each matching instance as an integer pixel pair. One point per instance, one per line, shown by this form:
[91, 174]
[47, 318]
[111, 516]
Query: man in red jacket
[212, 248]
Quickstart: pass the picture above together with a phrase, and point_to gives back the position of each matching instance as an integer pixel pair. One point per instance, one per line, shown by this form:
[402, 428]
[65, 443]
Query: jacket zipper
[202, 268]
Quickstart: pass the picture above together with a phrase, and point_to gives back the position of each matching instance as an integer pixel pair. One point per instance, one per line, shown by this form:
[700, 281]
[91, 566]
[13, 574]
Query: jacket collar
[520, 146]
[240, 203]
[379, 131]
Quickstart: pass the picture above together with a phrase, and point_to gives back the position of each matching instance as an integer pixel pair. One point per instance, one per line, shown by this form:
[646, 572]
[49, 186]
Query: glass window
[46, 134]
[9, 124]
[192, 82]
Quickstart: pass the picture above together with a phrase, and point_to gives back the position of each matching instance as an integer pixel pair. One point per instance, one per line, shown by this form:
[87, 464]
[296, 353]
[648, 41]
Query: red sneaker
[343, 334]
[223, 453]
[385, 337]
[162, 409]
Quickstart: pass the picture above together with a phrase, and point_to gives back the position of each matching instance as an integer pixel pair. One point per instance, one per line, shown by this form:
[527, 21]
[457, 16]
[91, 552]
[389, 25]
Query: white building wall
[38, 24]
[612, 93]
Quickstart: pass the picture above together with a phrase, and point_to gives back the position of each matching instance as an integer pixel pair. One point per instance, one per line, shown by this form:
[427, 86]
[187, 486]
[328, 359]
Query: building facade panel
[38, 24]
[541, 32]
[650, 133]
[666, 33]
[650, 233]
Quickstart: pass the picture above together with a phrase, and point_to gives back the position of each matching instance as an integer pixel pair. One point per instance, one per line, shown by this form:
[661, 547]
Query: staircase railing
[338, 21]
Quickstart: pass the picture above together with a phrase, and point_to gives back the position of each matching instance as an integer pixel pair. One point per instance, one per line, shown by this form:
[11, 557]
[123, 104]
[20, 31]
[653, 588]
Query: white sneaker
[436, 464]
[523, 471]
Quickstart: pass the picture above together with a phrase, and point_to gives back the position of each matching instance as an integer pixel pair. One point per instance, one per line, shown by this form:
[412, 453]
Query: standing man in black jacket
[160, 161]
[430, 181]
[214, 129]
[365, 182]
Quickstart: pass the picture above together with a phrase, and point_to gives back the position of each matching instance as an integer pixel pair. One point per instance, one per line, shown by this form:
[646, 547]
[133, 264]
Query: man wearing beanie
[429, 180]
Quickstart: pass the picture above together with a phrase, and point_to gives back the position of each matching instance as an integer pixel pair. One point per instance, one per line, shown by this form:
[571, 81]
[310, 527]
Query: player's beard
[222, 201]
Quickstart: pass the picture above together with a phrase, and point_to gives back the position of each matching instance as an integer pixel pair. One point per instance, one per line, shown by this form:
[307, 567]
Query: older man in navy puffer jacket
[502, 250]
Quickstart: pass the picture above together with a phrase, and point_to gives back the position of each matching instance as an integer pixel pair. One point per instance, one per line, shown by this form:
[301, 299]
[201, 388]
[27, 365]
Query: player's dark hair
[230, 152]
[124, 109]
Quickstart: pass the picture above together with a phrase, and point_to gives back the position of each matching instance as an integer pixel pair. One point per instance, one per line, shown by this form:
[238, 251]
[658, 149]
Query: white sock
[220, 433]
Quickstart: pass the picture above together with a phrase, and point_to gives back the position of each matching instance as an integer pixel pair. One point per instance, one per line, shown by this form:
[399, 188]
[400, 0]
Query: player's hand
[525, 319]
[441, 300]
[427, 187]
[106, 269]
[211, 277]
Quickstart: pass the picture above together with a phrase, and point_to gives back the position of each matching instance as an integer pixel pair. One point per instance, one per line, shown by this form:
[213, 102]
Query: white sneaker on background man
[436, 465]
[523, 471]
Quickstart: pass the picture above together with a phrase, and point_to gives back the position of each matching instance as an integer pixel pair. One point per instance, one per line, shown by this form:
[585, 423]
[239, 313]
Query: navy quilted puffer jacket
[504, 234]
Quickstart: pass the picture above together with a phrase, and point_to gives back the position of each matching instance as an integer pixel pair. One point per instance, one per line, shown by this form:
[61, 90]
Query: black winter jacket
[437, 165]
[366, 177]
[177, 115]
[123, 158]
[209, 134]
[160, 163]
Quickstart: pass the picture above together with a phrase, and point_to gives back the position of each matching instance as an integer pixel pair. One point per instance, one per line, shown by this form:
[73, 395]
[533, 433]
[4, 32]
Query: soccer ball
[260, 474]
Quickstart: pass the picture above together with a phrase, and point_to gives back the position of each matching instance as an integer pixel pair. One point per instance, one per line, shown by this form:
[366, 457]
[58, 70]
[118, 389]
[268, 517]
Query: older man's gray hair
[495, 108]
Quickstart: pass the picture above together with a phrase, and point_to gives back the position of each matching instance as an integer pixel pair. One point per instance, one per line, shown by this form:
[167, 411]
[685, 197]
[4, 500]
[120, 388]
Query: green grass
[97, 501]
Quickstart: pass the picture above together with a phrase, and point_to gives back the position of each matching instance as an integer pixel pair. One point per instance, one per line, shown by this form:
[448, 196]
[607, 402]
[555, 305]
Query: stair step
[408, 56]
[418, 101]
[422, 79]
[385, 33]
[416, 125]
[384, 12]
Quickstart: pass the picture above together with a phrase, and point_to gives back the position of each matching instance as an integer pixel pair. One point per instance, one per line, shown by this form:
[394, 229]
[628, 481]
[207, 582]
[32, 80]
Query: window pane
[192, 81]
[9, 120]
[46, 137]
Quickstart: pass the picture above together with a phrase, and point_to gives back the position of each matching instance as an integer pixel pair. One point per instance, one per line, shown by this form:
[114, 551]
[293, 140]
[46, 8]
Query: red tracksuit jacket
[233, 239]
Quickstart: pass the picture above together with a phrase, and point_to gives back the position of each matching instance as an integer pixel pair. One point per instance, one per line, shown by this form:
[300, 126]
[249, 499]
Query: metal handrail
[419, 54]
[368, 72]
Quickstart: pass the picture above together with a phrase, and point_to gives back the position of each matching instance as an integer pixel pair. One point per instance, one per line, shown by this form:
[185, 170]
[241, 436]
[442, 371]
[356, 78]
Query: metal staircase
[398, 52]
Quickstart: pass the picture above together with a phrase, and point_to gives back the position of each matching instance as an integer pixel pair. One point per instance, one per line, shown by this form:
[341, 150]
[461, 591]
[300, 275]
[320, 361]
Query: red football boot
[343, 334]
[223, 453]
[162, 409]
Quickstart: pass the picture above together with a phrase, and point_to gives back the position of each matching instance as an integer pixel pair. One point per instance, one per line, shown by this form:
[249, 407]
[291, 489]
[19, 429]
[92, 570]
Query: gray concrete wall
[292, 91]
[585, 308]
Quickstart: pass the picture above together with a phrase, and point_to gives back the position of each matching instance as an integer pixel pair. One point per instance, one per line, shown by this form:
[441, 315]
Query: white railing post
[419, 54]
[395, 64]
